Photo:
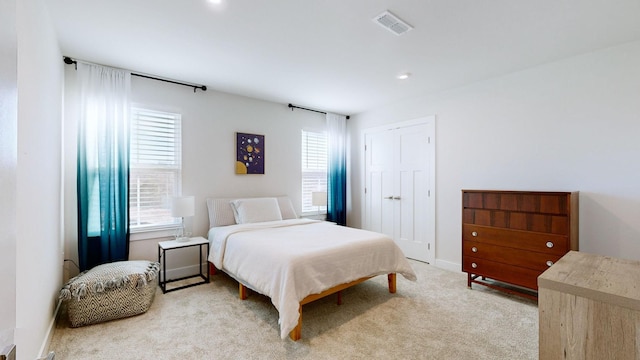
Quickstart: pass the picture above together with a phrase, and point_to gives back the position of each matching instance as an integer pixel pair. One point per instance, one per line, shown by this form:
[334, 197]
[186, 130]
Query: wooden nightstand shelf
[163, 246]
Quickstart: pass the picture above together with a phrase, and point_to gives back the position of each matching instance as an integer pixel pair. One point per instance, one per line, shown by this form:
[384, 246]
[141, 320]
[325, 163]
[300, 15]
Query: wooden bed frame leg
[392, 283]
[242, 291]
[212, 269]
[296, 333]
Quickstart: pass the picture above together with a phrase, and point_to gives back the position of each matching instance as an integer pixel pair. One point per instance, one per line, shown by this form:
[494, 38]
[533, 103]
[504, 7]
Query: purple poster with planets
[250, 154]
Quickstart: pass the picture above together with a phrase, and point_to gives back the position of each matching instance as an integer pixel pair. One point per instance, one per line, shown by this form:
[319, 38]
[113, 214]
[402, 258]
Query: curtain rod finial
[202, 87]
[67, 60]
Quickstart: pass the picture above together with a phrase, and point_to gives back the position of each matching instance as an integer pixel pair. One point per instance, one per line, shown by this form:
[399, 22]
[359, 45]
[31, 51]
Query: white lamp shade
[183, 206]
[319, 198]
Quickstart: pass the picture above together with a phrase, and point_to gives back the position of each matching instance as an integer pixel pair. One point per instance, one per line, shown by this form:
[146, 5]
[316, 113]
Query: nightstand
[164, 246]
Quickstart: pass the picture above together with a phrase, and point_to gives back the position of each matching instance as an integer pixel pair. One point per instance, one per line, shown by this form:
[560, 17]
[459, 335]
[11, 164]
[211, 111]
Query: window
[314, 168]
[154, 169]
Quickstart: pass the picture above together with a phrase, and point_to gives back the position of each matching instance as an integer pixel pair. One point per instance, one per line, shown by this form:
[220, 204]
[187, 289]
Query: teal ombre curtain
[337, 172]
[103, 165]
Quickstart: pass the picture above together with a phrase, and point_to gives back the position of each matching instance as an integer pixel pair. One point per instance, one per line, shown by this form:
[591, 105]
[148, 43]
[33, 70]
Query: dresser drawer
[502, 272]
[525, 240]
[506, 255]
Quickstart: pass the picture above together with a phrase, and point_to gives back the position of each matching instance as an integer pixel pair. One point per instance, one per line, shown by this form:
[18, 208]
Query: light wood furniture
[296, 333]
[511, 237]
[589, 308]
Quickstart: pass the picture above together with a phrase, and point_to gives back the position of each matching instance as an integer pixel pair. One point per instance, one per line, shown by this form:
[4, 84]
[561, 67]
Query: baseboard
[448, 265]
[184, 271]
[44, 349]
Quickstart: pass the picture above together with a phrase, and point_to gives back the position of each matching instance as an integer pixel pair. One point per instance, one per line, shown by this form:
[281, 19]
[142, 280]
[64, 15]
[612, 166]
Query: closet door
[380, 179]
[410, 191]
[398, 183]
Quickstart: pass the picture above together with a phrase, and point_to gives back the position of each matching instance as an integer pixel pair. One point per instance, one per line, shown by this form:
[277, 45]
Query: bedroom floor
[436, 317]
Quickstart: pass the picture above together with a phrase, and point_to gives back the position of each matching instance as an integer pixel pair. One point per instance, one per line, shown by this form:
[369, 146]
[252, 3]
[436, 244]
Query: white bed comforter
[290, 259]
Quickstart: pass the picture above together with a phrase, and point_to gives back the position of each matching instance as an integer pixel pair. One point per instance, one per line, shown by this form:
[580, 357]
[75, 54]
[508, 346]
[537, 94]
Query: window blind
[155, 167]
[314, 168]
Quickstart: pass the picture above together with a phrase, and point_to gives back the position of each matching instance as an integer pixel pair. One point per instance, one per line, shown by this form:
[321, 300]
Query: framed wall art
[249, 153]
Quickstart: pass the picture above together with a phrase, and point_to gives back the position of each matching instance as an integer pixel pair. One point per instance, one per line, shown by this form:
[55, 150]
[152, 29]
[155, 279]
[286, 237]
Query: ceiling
[329, 54]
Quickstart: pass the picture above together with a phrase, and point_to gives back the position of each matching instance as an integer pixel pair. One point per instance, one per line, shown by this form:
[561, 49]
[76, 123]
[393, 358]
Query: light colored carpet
[437, 317]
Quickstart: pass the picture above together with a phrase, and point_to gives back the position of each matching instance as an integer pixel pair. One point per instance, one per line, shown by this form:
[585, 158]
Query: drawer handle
[474, 233]
[549, 262]
[474, 265]
[549, 244]
[474, 249]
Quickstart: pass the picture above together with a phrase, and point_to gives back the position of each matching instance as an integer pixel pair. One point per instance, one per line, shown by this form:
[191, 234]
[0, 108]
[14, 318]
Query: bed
[262, 244]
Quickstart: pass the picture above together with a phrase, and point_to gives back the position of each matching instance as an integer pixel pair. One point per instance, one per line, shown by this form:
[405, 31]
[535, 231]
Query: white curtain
[337, 168]
[103, 164]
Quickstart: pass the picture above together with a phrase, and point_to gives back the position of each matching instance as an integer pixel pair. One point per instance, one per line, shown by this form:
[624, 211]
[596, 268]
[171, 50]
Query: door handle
[388, 197]
[396, 198]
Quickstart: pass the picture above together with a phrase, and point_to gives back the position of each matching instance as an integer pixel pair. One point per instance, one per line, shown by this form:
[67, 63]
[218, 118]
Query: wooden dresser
[511, 237]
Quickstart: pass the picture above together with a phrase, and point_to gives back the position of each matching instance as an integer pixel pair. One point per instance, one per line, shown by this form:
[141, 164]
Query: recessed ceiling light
[215, 1]
[403, 76]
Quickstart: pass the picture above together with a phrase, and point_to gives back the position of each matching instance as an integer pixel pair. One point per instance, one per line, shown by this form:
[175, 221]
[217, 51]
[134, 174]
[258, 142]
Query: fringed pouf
[110, 291]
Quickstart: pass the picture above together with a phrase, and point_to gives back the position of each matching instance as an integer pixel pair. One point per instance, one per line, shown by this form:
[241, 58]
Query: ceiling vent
[392, 23]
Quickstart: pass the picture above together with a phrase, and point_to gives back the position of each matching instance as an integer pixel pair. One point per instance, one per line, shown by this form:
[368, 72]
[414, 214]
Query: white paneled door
[399, 192]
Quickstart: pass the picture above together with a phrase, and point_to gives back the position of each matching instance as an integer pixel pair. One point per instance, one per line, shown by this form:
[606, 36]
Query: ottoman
[110, 291]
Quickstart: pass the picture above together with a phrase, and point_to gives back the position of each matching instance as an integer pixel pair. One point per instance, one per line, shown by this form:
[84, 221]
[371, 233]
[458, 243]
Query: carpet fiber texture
[437, 317]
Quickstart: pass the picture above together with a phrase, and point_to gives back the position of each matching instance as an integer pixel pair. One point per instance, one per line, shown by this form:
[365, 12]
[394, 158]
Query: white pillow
[256, 210]
[286, 208]
[220, 212]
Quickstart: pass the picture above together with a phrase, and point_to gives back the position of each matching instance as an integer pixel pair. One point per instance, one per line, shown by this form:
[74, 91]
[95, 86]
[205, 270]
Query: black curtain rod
[67, 60]
[301, 108]
[195, 87]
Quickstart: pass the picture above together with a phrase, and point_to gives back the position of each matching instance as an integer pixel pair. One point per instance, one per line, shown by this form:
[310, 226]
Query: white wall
[568, 125]
[38, 196]
[209, 122]
[8, 165]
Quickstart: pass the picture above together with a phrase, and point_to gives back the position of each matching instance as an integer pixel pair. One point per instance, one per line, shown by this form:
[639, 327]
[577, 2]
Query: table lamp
[182, 206]
[319, 198]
